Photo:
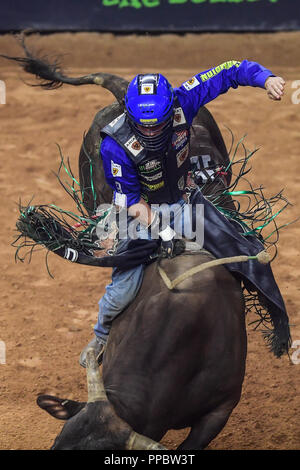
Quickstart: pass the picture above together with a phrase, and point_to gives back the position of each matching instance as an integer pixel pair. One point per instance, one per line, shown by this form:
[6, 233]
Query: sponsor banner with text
[150, 15]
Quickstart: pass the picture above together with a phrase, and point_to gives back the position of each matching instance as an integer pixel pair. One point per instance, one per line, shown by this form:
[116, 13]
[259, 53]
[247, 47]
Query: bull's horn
[139, 442]
[96, 391]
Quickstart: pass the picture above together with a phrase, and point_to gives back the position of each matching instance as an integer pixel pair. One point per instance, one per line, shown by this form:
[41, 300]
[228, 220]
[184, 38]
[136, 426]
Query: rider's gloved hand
[170, 246]
[167, 248]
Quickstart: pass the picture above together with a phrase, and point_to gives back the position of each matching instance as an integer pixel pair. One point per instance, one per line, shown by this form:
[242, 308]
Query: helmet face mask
[149, 108]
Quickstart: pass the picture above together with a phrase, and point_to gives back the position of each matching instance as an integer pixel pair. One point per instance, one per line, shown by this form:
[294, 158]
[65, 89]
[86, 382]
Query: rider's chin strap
[263, 257]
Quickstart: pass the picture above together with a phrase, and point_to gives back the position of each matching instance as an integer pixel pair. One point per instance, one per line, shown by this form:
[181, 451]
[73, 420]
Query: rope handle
[262, 257]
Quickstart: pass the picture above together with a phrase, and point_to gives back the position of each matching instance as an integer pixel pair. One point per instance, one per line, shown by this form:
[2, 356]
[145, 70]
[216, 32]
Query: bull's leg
[207, 428]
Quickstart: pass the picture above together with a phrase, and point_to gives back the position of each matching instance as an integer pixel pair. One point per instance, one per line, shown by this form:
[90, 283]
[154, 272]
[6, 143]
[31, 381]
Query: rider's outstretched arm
[208, 85]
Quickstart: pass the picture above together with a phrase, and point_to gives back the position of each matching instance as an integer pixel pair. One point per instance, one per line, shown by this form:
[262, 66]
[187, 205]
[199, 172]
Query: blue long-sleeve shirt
[192, 94]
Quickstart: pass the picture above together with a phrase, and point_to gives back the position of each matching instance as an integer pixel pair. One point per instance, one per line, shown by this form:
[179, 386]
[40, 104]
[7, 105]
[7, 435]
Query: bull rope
[263, 257]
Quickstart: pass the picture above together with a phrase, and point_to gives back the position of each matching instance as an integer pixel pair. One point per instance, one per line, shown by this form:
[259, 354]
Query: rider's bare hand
[275, 88]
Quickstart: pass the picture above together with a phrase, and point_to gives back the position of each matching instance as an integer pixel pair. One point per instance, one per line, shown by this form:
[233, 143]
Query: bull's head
[93, 425]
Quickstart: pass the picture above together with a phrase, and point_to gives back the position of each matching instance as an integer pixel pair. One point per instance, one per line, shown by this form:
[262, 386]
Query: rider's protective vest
[162, 175]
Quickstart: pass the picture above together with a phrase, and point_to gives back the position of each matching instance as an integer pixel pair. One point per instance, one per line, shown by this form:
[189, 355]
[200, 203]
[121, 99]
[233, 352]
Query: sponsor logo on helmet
[147, 89]
[148, 121]
[190, 84]
[145, 105]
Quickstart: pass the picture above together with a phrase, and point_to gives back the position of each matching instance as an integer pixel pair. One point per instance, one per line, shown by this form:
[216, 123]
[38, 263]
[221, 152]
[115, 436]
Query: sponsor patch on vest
[153, 177]
[190, 84]
[150, 166]
[133, 146]
[178, 117]
[179, 139]
[154, 187]
[182, 155]
[116, 169]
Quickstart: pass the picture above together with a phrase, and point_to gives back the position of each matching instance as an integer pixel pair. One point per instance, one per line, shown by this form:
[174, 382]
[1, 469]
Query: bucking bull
[175, 358]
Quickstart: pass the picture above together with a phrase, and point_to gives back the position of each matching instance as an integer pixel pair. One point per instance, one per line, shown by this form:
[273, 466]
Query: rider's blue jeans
[126, 284]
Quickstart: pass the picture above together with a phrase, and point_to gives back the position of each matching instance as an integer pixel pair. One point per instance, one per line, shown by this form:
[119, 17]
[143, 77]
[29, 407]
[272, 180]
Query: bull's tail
[51, 75]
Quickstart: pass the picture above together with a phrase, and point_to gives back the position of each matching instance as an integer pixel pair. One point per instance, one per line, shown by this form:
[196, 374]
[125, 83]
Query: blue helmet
[149, 106]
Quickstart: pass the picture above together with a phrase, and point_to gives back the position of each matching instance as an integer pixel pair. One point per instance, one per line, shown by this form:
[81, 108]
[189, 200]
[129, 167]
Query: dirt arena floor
[45, 322]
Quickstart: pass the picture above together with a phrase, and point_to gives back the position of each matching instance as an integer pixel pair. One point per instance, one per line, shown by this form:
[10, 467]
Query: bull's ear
[58, 407]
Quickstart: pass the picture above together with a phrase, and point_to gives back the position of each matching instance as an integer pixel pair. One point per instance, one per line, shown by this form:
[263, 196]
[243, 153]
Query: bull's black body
[176, 359]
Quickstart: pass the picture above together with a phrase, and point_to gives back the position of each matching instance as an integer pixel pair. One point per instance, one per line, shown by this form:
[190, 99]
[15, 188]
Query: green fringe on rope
[48, 226]
[259, 211]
